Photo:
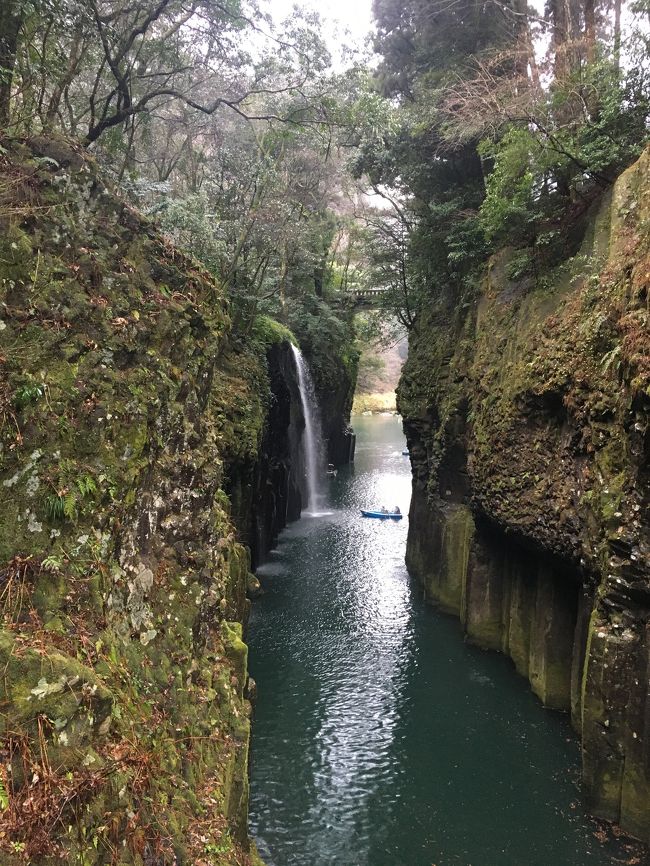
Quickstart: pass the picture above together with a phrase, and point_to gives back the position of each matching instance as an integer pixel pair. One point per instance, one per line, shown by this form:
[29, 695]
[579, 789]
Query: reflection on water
[380, 738]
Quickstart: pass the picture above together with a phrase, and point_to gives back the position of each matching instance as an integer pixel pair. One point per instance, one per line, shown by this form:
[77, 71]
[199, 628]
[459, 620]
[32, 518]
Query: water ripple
[380, 738]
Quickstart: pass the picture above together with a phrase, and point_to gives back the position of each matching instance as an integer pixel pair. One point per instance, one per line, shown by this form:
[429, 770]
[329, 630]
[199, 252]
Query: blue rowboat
[382, 515]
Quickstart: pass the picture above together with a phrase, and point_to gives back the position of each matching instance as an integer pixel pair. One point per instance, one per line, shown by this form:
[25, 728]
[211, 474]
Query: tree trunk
[565, 36]
[617, 34]
[319, 273]
[559, 38]
[76, 52]
[522, 38]
[590, 29]
[11, 21]
[282, 283]
[532, 60]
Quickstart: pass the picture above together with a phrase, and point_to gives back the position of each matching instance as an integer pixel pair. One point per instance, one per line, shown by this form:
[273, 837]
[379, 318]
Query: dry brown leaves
[42, 806]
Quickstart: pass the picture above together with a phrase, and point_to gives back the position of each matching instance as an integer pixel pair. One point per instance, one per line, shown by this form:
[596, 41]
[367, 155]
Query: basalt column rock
[526, 408]
[335, 377]
[264, 488]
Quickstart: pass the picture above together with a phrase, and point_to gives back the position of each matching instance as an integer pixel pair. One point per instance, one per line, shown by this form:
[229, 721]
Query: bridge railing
[360, 294]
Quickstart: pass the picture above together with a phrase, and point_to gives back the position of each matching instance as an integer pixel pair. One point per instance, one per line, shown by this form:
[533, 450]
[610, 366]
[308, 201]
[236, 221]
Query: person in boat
[384, 510]
[396, 510]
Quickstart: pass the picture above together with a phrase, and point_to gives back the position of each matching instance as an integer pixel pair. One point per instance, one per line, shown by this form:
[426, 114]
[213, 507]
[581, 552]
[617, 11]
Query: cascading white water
[312, 438]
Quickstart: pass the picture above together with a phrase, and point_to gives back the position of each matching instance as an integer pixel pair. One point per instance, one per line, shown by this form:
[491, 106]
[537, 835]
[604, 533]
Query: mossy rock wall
[124, 717]
[526, 408]
[506, 599]
[265, 488]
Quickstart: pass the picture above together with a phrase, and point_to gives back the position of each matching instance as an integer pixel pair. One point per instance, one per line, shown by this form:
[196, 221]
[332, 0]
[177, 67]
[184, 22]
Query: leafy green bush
[26, 395]
[577, 140]
[509, 209]
[520, 265]
[269, 332]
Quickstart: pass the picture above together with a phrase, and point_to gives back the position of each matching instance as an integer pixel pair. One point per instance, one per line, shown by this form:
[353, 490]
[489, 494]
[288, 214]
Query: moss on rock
[527, 400]
[123, 698]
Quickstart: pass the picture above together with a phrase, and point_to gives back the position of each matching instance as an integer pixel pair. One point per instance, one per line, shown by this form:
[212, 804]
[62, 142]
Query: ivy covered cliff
[141, 443]
[526, 408]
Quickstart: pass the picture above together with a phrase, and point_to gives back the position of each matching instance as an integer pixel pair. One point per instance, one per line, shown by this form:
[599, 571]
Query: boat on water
[382, 515]
[331, 470]
[406, 453]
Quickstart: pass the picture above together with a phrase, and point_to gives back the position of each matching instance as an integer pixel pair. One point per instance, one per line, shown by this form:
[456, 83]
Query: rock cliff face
[125, 723]
[264, 488]
[138, 450]
[335, 378]
[526, 412]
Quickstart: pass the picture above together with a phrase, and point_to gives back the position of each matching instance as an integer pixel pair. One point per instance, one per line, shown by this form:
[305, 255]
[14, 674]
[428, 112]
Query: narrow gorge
[324, 433]
[152, 458]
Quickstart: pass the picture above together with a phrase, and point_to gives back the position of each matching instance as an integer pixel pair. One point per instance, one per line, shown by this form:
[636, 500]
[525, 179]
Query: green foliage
[371, 367]
[52, 564]
[269, 332]
[616, 129]
[74, 490]
[509, 205]
[325, 334]
[520, 265]
[86, 485]
[56, 49]
[538, 168]
[26, 395]
[317, 325]
[418, 48]
[61, 506]
[612, 358]
[369, 326]
[194, 225]
[222, 847]
[480, 153]
[465, 242]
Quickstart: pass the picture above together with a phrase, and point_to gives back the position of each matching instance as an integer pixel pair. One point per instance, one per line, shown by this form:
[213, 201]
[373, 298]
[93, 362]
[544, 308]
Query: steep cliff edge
[526, 412]
[265, 487]
[123, 711]
[334, 365]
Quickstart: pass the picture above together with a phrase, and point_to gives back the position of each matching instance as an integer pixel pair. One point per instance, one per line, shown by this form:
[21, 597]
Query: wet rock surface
[264, 488]
[335, 377]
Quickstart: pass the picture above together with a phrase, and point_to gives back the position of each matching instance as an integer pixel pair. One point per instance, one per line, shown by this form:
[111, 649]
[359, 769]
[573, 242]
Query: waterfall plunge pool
[380, 737]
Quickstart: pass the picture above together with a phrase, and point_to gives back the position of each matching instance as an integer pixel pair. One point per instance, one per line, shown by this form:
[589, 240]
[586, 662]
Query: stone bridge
[366, 297]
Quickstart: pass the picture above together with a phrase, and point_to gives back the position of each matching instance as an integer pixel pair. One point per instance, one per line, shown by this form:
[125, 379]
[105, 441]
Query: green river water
[380, 737]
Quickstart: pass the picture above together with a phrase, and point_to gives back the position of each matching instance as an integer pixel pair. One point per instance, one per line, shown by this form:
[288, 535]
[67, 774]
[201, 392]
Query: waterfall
[312, 439]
